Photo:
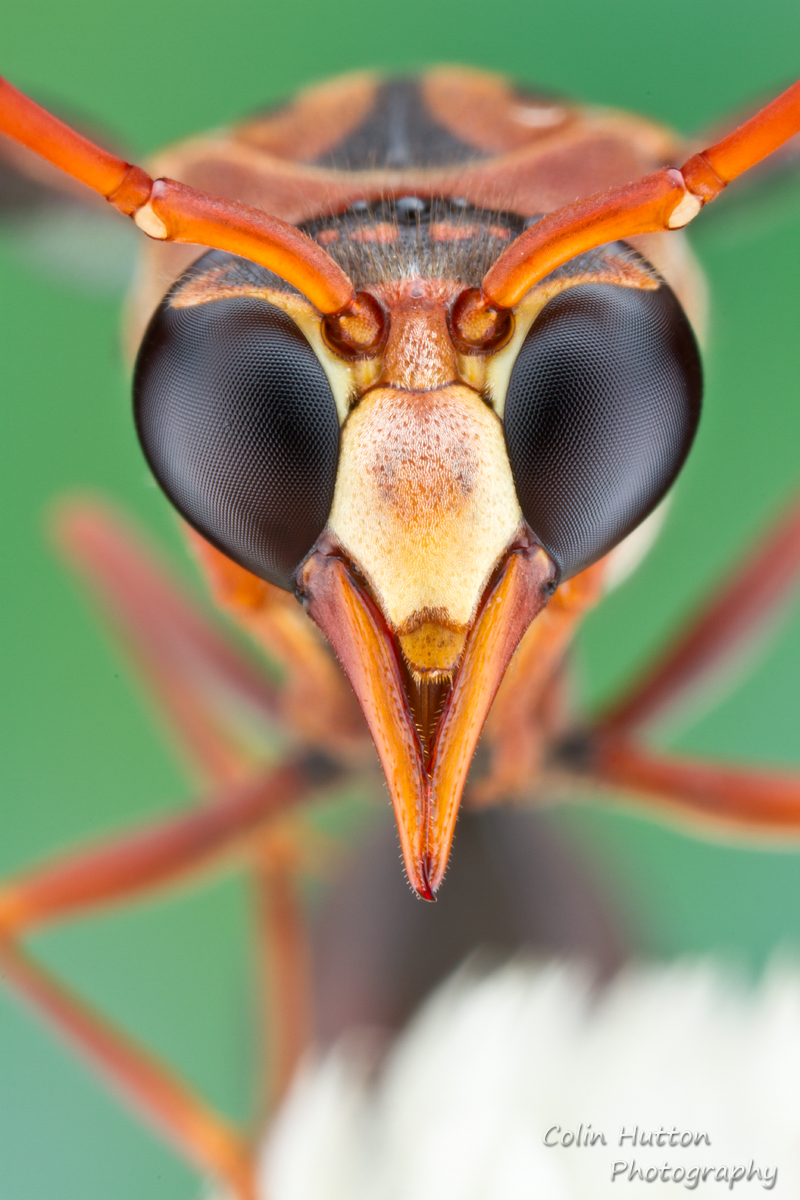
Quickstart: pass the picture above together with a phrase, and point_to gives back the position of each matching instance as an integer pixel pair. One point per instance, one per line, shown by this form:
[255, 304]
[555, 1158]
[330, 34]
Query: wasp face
[423, 502]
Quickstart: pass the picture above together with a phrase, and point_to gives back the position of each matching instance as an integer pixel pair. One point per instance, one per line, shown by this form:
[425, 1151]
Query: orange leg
[711, 794]
[609, 752]
[166, 1103]
[205, 688]
[285, 959]
[163, 854]
[214, 700]
[234, 821]
[749, 600]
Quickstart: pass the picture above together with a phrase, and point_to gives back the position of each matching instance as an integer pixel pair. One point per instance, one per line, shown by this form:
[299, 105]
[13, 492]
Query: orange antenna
[667, 199]
[172, 212]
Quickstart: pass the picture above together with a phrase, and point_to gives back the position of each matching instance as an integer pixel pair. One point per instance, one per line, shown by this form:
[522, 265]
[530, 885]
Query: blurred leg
[128, 867]
[737, 612]
[166, 1103]
[206, 689]
[285, 965]
[123, 868]
[707, 793]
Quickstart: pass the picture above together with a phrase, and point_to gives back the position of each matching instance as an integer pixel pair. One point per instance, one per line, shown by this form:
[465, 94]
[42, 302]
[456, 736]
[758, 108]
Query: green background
[80, 752]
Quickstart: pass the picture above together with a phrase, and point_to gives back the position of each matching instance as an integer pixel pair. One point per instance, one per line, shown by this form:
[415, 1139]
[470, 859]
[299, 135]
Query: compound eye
[239, 425]
[602, 408]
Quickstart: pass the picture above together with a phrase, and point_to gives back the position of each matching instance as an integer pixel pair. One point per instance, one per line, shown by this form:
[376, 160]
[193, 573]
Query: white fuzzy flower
[492, 1068]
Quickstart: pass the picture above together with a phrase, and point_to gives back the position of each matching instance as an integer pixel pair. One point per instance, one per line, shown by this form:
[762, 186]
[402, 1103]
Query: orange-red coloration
[182, 213]
[523, 587]
[419, 353]
[362, 643]
[486, 111]
[425, 790]
[446, 231]
[359, 331]
[426, 682]
[205, 1138]
[636, 208]
[166, 852]
[709, 794]
[127, 187]
[317, 701]
[642, 207]
[760, 585]
[383, 233]
[768, 129]
[314, 121]
[201, 219]
[528, 713]
[479, 327]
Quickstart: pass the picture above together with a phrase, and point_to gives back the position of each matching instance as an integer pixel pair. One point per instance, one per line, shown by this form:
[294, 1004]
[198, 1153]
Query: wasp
[416, 366]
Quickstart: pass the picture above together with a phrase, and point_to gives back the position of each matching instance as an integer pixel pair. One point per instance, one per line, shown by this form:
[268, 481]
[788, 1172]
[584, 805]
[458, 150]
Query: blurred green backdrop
[82, 755]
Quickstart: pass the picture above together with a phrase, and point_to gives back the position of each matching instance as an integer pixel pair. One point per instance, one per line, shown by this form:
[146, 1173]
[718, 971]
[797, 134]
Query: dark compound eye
[239, 425]
[602, 407]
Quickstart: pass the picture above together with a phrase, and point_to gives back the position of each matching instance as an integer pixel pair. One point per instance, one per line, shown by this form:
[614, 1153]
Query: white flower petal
[461, 1105]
